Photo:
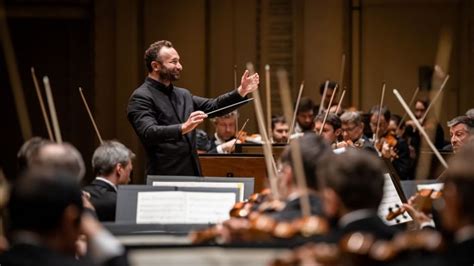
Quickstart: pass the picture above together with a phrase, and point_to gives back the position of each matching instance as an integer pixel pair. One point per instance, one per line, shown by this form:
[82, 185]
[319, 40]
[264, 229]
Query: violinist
[225, 131]
[313, 149]
[389, 146]
[279, 130]
[352, 190]
[352, 129]
[430, 125]
[332, 128]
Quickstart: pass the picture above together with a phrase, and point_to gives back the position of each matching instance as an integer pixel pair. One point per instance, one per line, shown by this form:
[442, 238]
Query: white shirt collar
[107, 181]
[355, 216]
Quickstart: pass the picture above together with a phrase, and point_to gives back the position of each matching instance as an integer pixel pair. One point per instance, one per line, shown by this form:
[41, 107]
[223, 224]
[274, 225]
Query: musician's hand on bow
[248, 83]
[195, 118]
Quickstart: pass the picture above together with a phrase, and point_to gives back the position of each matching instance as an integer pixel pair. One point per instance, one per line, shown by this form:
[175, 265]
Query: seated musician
[461, 128]
[352, 129]
[224, 138]
[313, 149]
[279, 130]
[304, 116]
[112, 164]
[429, 124]
[352, 189]
[332, 128]
[458, 213]
[389, 146]
[327, 97]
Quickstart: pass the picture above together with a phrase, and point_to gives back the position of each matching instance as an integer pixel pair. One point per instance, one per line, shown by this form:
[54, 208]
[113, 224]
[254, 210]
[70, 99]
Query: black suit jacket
[156, 113]
[27, 255]
[292, 209]
[372, 225]
[104, 199]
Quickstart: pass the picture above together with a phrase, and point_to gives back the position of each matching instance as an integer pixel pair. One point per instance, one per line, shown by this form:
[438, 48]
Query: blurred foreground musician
[352, 190]
[47, 216]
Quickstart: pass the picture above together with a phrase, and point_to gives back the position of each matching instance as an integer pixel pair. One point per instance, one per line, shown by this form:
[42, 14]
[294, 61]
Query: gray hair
[233, 114]
[466, 120]
[351, 117]
[470, 113]
[108, 155]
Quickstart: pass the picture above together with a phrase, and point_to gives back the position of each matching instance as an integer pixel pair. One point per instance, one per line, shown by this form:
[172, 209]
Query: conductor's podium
[235, 165]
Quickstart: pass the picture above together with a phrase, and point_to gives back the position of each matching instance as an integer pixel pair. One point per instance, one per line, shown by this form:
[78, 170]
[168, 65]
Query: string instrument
[423, 202]
[386, 144]
[259, 228]
[360, 248]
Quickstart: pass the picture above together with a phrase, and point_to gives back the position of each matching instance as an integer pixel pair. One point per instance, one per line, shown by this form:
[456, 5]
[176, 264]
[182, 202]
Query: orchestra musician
[279, 130]
[332, 128]
[164, 116]
[352, 128]
[223, 139]
[304, 115]
[112, 164]
[461, 128]
[389, 146]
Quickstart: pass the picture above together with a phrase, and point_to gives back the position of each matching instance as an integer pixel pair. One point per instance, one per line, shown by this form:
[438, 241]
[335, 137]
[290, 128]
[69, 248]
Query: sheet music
[391, 199]
[240, 186]
[172, 207]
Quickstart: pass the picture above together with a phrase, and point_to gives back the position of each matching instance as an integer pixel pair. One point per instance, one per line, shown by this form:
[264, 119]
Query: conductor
[164, 116]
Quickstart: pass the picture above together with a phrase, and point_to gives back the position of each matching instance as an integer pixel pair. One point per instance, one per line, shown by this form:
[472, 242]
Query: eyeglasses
[348, 129]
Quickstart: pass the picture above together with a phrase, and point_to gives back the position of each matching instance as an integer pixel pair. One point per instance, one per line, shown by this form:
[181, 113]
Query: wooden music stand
[235, 165]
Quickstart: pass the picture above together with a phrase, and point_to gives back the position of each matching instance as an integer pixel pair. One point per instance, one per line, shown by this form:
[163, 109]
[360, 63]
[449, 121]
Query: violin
[362, 249]
[386, 144]
[422, 201]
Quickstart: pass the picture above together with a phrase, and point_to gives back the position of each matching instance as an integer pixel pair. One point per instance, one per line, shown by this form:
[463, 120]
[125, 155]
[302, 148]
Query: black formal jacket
[156, 113]
[372, 225]
[103, 198]
[27, 255]
[292, 209]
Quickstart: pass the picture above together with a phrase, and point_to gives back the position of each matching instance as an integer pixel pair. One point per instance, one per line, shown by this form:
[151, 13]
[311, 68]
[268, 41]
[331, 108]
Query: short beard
[165, 74]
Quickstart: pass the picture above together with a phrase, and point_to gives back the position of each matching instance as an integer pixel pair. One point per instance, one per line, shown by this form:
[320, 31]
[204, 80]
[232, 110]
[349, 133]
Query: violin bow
[235, 87]
[412, 101]
[441, 67]
[267, 148]
[239, 134]
[90, 116]
[420, 128]
[297, 168]
[41, 102]
[340, 101]
[321, 105]
[14, 76]
[376, 133]
[327, 111]
[52, 110]
[435, 98]
[268, 98]
[293, 120]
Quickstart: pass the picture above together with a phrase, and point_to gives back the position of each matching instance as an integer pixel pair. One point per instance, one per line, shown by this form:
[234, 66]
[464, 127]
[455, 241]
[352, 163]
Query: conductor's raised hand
[195, 118]
[248, 83]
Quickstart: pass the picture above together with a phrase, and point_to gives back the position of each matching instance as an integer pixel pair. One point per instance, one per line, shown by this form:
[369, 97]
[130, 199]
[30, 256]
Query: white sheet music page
[183, 207]
[391, 199]
[239, 186]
